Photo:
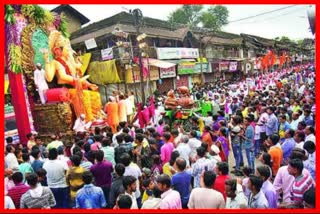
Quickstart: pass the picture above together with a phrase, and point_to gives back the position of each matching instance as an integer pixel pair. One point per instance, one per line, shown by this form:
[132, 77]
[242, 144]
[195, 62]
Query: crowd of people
[254, 148]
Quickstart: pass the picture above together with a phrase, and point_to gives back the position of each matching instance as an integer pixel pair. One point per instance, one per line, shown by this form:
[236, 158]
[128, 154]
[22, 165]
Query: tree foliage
[187, 14]
[213, 17]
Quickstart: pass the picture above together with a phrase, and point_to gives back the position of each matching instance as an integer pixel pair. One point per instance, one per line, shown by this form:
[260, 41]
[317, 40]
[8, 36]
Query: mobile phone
[206, 168]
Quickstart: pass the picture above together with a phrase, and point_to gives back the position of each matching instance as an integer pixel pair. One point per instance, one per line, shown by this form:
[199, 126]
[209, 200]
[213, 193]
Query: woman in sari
[223, 144]
[207, 137]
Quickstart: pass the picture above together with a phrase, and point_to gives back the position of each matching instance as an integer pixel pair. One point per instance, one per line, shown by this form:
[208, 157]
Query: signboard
[107, 54]
[186, 68]
[224, 66]
[205, 68]
[90, 43]
[167, 72]
[233, 66]
[154, 74]
[248, 67]
[177, 53]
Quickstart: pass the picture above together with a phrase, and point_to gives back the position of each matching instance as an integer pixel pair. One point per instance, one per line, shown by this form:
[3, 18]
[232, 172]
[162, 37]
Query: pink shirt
[170, 200]
[166, 151]
[96, 146]
[283, 181]
[160, 130]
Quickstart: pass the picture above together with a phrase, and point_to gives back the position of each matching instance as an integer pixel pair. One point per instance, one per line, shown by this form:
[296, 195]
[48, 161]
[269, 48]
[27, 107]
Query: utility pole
[138, 18]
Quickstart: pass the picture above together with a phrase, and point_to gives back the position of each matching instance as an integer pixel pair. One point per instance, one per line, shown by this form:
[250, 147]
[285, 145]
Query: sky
[291, 22]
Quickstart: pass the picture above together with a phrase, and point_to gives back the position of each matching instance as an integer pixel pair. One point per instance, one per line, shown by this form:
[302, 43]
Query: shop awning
[6, 86]
[158, 63]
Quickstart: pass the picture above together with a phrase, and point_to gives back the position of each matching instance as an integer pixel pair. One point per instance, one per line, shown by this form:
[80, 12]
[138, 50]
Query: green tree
[187, 14]
[213, 17]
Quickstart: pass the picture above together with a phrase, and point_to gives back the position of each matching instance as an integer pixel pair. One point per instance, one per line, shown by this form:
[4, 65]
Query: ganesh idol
[65, 70]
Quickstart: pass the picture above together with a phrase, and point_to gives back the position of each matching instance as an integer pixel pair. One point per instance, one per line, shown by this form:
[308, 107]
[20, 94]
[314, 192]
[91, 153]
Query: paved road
[231, 163]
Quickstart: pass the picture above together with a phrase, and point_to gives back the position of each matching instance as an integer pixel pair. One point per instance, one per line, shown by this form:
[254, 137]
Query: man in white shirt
[235, 196]
[80, 125]
[295, 121]
[205, 197]
[153, 201]
[40, 82]
[130, 186]
[10, 159]
[132, 169]
[56, 178]
[309, 131]
[193, 143]
[184, 149]
[299, 139]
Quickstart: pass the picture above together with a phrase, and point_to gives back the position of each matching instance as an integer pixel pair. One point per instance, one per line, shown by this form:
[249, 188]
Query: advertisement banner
[167, 72]
[233, 66]
[186, 68]
[154, 74]
[90, 43]
[205, 67]
[177, 53]
[107, 54]
[224, 66]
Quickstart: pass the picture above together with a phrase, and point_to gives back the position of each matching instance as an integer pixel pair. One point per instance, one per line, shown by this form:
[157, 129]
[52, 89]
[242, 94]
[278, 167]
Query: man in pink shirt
[166, 149]
[283, 181]
[170, 198]
[96, 145]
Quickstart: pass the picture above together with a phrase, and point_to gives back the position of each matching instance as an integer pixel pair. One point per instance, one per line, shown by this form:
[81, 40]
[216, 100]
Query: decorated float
[35, 35]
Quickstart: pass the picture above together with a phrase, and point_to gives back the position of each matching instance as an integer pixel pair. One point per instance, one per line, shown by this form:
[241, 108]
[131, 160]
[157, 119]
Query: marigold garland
[15, 58]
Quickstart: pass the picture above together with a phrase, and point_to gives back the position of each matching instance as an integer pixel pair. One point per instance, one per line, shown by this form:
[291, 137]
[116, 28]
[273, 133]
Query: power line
[249, 17]
[275, 17]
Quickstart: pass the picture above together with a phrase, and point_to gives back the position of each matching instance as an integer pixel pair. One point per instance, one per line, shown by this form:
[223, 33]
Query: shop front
[167, 78]
[149, 80]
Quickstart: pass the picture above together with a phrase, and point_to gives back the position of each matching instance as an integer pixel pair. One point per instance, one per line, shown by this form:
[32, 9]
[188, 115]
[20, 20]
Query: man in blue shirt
[272, 124]
[181, 181]
[288, 145]
[284, 126]
[308, 119]
[248, 141]
[90, 196]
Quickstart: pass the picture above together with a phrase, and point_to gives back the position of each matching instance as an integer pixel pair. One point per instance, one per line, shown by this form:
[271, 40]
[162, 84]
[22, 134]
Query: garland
[9, 17]
[28, 56]
[63, 26]
[15, 58]
[27, 10]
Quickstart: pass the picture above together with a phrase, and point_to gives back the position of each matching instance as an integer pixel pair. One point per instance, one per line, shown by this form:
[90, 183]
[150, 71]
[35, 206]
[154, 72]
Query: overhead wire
[261, 14]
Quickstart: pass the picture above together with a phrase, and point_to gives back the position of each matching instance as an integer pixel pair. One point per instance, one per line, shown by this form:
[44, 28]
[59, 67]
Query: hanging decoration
[15, 58]
[63, 26]
[9, 17]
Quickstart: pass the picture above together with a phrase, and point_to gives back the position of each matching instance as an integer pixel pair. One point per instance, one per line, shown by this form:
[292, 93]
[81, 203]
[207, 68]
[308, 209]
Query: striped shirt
[46, 200]
[300, 185]
[16, 192]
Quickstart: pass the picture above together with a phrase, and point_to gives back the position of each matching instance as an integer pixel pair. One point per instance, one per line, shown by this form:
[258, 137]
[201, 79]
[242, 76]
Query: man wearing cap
[40, 82]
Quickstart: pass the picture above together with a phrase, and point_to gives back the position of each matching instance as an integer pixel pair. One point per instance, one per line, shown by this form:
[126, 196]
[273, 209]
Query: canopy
[158, 63]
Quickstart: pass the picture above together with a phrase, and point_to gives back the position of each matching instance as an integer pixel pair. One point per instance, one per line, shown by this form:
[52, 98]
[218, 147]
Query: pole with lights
[138, 21]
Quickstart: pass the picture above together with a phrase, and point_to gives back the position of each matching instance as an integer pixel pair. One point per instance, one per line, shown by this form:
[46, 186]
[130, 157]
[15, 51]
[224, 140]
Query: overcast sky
[291, 22]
